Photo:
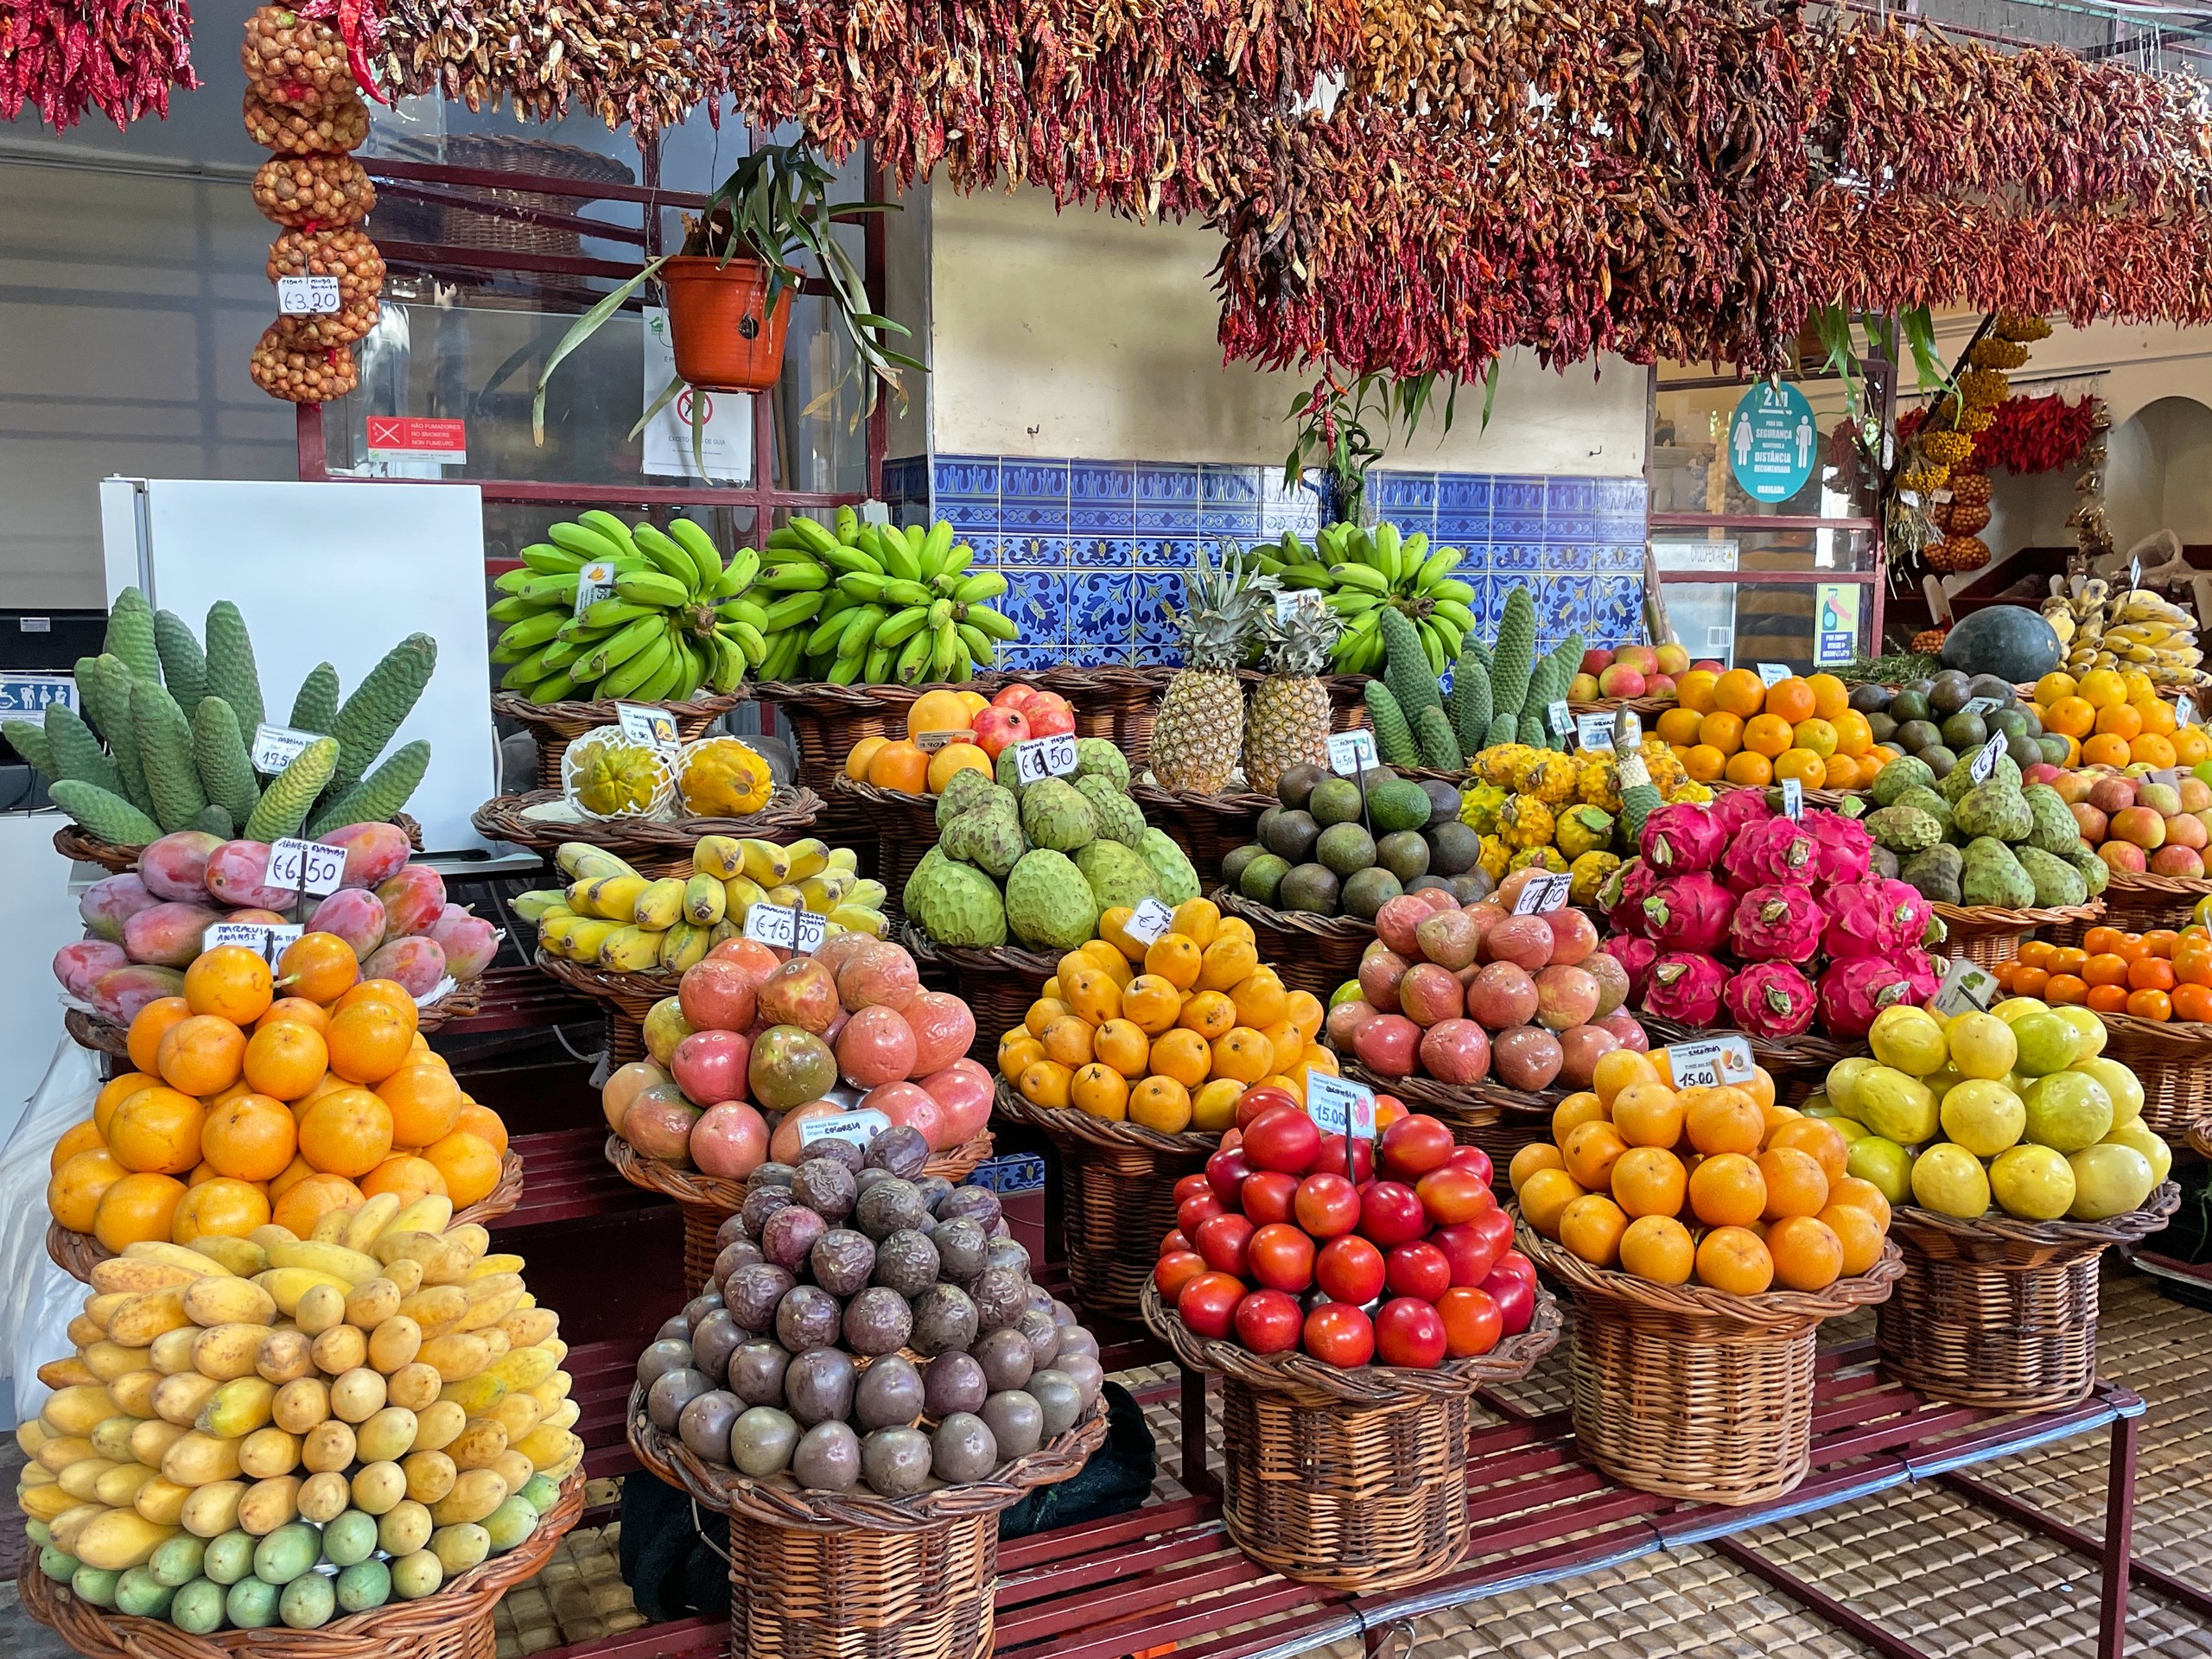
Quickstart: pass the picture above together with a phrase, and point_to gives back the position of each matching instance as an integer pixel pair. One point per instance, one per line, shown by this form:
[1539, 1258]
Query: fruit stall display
[1730, 727]
[2014, 1149]
[1692, 1351]
[1931, 720]
[2103, 628]
[364, 1429]
[145, 928]
[748, 1052]
[1353, 1294]
[854, 1298]
[171, 726]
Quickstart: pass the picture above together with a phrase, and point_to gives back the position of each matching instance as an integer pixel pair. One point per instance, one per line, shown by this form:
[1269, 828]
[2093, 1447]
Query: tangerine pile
[2110, 718]
[1733, 727]
[243, 1107]
[1169, 1047]
[2161, 974]
[1719, 1184]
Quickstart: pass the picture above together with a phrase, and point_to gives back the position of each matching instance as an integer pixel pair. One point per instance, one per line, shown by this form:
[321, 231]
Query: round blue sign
[1772, 441]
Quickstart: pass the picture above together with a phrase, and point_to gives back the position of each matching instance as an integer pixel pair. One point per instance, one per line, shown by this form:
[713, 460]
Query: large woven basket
[454, 1623]
[81, 846]
[105, 1037]
[1308, 952]
[1988, 934]
[1462, 1105]
[852, 1575]
[1998, 1311]
[1207, 827]
[627, 999]
[998, 983]
[654, 846]
[1353, 1480]
[1119, 1200]
[2139, 903]
[2172, 1060]
[902, 825]
[556, 725]
[826, 721]
[707, 1201]
[1690, 1392]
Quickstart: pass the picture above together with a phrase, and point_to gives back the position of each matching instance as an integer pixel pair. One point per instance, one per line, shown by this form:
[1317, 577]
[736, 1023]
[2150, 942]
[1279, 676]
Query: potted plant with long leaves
[730, 288]
[1333, 436]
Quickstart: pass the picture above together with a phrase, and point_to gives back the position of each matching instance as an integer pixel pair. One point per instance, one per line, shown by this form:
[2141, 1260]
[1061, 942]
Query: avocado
[1234, 861]
[1964, 731]
[1399, 804]
[1949, 691]
[1292, 834]
[1869, 698]
[1344, 848]
[1990, 685]
[1452, 848]
[1295, 786]
[1261, 880]
[1310, 887]
[1909, 705]
[1883, 725]
[1918, 734]
[1443, 801]
[1335, 800]
[1404, 853]
[1367, 891]
[1940, 760]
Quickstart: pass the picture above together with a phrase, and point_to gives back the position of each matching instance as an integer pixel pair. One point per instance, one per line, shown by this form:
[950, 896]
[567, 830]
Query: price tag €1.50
[1711, 1061]
[313, 868]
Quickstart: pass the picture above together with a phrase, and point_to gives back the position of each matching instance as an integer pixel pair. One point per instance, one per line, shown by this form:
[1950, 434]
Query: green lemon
[1876, 1158]
[1347, 991]
[1951, 1181]
[2108, 1181]
[1850, 1129]
[1892, 1104]
[2119, 1082]
[1843, 1077]
[2068, 1110]
[2134, 1133]
[1817, 1104]
[2033, 1183]
[1982, 1045]
[1908, 1038]
[2047, 1044]
[2091, 1027]
[2013, 1006]
[1984, 1117]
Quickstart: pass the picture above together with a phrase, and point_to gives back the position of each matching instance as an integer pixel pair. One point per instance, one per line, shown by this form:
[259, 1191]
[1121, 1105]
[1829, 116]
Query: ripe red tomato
[1389, 1213]
[1451, 1195]
[1338, 1334]
[1328, 1205]
[1283, 1138]
[1267, 1196]
[1223, 1241]
[1388, 1108]
[1252, 1102]
[1409, 1332]
[1496, 1225]
[1418, 1268]
[1414, 1145]
[1192, 1212]
[1521, 1268]
[1208, 1303]
[1280, 1257]
[1225, 1173]
[1268, 1322]
[1330, 1158]
[1473, 1158]
[1173, 1271]
[1470, 1250]
[1473, 1323]
[1193, 1185]
[1516, 1298]
[1349, 1269]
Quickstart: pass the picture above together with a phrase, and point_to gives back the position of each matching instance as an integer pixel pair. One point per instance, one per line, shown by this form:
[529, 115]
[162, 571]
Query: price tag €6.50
[1044, 757]
[313, 868]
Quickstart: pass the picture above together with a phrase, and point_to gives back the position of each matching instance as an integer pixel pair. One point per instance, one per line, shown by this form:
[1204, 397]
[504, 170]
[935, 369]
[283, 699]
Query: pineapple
[1200, 731]
[1287, 722]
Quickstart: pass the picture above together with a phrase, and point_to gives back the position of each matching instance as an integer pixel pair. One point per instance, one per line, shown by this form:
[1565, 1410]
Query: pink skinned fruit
[838, 946]
[879, 975]
[1770, 999]
[1738, 809]
[1855, 990]
[413, 900]
[417, 964]
[1636, 957]
[1685, 987]
[710, 1066]
[107, 905]
[876, 1046]
[912, 1105]
[355, 915]
[167, 935]
[78, 965]
[468, 941]
[1525, 941]
[1501, 994]
[1776, 924]
[1397, 924]
[1621, 895]
[237, 874]
[1565, 996]
[1448, 939]
[1613, 980]
[1575, 936]
[374, 852]
[1380, 971]
[944, 1028]
[1774, 850]
[1680, 838]
[719, 995]
[1527, 1056]
[1389, 1044]
[658, 1124]
[788, 1067]
[117, 995]
[1688, 913]
[1580, 1049]
[800, 992]
[1345, 1021]
[729, 1140]
[962, 1092]
[1846, 847]
[1455, 1050]
[1874, 917]
[1429, 994]
[176, 866]
[1625, 1026]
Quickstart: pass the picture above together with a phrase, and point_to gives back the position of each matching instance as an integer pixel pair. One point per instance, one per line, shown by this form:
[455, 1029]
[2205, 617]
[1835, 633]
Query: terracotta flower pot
[723, 341]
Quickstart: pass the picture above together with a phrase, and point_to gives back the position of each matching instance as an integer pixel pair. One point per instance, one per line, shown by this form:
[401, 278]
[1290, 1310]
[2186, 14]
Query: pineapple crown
[1297, 640]
[1227, 603]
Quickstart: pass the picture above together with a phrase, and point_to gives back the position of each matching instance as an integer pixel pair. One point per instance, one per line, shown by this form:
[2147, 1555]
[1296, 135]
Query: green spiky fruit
[284, 803]
[379, 795]
[184, 665]
[383, 699]
[232, 675]
[315, 709]
[1393, 735]
[225, 767]
[77, 754]
[105, 814]
[130, 637]
[1439, 743]
[165, 752]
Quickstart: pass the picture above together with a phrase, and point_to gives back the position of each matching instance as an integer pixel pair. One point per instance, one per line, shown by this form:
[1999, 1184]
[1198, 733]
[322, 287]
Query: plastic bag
[37, 1299]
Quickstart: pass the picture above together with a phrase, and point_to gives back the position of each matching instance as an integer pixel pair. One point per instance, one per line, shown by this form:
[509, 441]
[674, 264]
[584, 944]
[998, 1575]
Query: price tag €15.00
[860, 1128]
[1542, 893]
[313, 868]
[1148, 921]
[785, 927]
[1044, 757]
[1711, 1061]
[1340, 1106]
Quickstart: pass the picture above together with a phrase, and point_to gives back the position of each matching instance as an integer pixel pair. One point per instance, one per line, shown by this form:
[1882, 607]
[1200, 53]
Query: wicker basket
[1119, 1198]
[105, 1037]
[77, 1254]
[1356, 1480]
[826, 721]
[1798, 1065]
[1308, 952]
[1988, 934]
[556, 725]
[1469, 1105]
[902, 826]
[998, 984]
[454, 1623]
[82, 847]
[851, 1575]
[627, 998]
[1690, 1392]
[1998, 1311]
[400, 219]
[707, 1201]
[2139, 903]
[1207, 827]
[654, 846]
[2173, 1062]
[2200, 1137]
[1113, 702]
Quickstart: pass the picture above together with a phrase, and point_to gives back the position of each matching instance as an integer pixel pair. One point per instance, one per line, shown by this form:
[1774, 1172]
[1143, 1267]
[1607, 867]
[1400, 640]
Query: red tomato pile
[1277, 1245]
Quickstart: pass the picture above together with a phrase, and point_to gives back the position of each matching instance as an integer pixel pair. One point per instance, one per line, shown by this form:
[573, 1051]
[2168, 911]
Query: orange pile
[1732, 727]
[1716, 1184]
[243, 1108]
[2114, 719]
[903, 764]
[2161, 975]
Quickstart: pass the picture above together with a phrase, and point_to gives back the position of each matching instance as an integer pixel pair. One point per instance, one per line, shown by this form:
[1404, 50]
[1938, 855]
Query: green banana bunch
[663, 634]
[1367, 570]
[857, 604]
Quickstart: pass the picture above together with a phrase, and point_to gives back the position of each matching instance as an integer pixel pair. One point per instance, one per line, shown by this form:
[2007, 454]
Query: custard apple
[1096, 758]
[1170, 868]
[1055, 816]
[955, 903]
[1048, 904]
[1119, 817]
[1117, 876]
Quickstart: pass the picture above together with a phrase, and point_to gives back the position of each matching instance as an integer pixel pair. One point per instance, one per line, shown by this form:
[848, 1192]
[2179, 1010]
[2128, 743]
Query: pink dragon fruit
[1776, 849]
[1680, 838]
[1856, 988]
[1634, 957]
[1738, 809]
[1776, 924]
[1685, 986]
[1623, 893]
[1922, 972]
[1688, 913]
[1769, 998]
[1875, 918]
[1846, 847]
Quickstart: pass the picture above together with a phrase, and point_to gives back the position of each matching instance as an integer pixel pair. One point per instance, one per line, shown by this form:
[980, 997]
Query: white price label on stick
[266, 940]
[1593, 731]
[642, 723]
[1711, 1061]
[930, 742]
[1793, 798]
[594, 581]
[313, 868]
[1558, 718]
[860, 1128]
[1965, 987]
[1148, 921]
[1340, 1106]
[2184, 710]
[1769, 673]
[1543, 892]
[1290, 601]
[275, 748]
[307, 296]
[1981, 706]
[1044, 757]
[785, 927]
[1985, 758]
[1351, 753]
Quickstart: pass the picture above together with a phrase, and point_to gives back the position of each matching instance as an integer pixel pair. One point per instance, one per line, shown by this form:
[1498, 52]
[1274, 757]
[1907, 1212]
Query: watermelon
[2011, 641]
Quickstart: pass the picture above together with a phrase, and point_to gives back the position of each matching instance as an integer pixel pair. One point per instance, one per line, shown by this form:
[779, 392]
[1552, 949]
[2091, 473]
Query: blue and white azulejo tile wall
[1095, 551]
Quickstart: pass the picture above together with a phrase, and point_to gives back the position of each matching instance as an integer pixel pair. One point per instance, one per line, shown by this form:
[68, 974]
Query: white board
[336, 573]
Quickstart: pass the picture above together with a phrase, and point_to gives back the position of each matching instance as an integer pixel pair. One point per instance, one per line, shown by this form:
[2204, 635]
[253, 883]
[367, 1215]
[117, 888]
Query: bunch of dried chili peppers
[120, 57]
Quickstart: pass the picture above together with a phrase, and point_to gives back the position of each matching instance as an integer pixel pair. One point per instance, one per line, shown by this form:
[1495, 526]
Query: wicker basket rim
[1227, 804]
[1474, 1104]
[505, 817]
[600, 982]
[2200, 1137]
[2188, 1036]
[79, 845]
[92, 1031]
[1114, 1135]
[1783, 1309]
[874, 793]
[376, 1634]
[1297, 1373]
[824, 698]
[602, 711]
[1997, 918]
[1293, 921]
[1012, 956]
[2127, 1228]
[2146, 885]
[767, 1503]
[726, 1194]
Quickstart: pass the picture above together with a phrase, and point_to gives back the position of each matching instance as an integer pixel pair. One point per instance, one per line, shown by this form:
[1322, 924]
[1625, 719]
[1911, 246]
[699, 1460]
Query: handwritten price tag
[785, 927]
[307, 296]
[1542, 893]
[266, 940]
[1593, 732]
[1793, 798]
[1340, 1106]
[1044, 757]
[1290, 601]
[1985, 758]
[1711, 1061]
[313, 868]
[1148, 921]
[1351, 753]
[594, 581]
[641, 724]
[1771, 672]
[275, 748]
[930, 742]
[860, 1128]
[1964, 986]
[2184, 710]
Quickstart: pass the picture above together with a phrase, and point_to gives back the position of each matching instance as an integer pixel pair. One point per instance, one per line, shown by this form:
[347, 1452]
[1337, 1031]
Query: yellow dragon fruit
[1550, 778]
[1480, 807]
[1501, 766]
[1494, 858]
[1689, 790]
[1524, 821]
[1598, 779]
[1542, 858]
[1588, 873]
[1583, 829]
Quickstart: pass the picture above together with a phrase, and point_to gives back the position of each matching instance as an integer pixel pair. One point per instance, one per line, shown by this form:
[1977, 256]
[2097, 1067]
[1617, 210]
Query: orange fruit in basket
[201, 1055]
[900, 766]
[1733, 1259]
[224, 1207]
[80, 1183]
[955, 758]
[1176, 958]
[296, 1010]
[286, 1060]
[230, 981]
[1694, 690]
[1183, 1055]
[484, 1123]
[320, 967]
[1260, 999]
[2119, 721]
[937, 711]
[1858, 1237]
[1591, 1150]
[861, 754]
[1721, 730]
[117, 1089]
[1748, 768]
[1727, 1191]
[1790, 698]
[2152, 749]
[1229, 961]
[1794, 1185]
[143, 1041]
[1649, 1181]
[1705, 764]
[1660, 1248]
[1242, 1054]
[1861, 1195]
[385, 993]
[346, 1133]
[1161, 1103]
[367, 1042]
[1197, 920]
[1807, 767]
[1544, 1198]
[1572, 1113]
[1831, 696]
[1151, 1003]
[1617, 1069]
[307, 1201]
[251, 1138]
[1091, 992]
[1767, 735]
[1101, 1090]
[1806, 1253]
[1045, 1083]
[1818, 736]
[1678, 725]
[1815, 1135]
[1211, 1013]
[138, 1209]
[1537, 1154]
[1725, 1119]
[1591, 1227]
[424, 1101]
[1016, 1049]
[1739, 692]
[1842, 772]
[406, 1177]
[78, 1137]
[157, 1131]
[1067, 1041]
[1120, 1044]
[2106, 750]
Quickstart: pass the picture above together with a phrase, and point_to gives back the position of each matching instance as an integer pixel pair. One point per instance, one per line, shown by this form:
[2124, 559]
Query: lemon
[2047, 1044]
[2091, 1027]
[2133, 1133]
[1982, 1045]
[2013, 1006]
[1984, 1117]
[2108, 1181]
[2119, 1082]
[2033, 1183]
[1908, 1038]
[2068, 1110]
[1842, 1077]
[1892, 1104]
[1951, 1181]
[1882, 1161]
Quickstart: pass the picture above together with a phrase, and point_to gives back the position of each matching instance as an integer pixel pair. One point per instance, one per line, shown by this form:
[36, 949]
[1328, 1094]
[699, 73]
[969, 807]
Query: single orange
[1841, 772]
[1537, 1154]
[862, 753]
[1739, 691]
[286, 1060]
[1831, 696]
[1727, 1191]
[406, 1177]
[1649, 1181]
[1544, 1198]
[1618, 1069]
[1807, 1253]
[1591, 1150]
[1721, 730]
[1100, 1091]
[1183, 1055]
[1243, 1054]
[1858, 1235]
[1747, 768]
[201, 1055]
[1647, 1113]
[72, 1196]
[1817, 1136]
[78, 1137]
[1766, 734]
[147, 1028]
[2119, 721]
[1734, 1259]
[1863, 1195]
[1591, 1227]
[900, 766]
[1261, 999]
[1725, 1119]
[469, 1165]
[320, 967]
[1792, 699]
[956, 758]
[1794, 1185]
[484, 1123]
[1210, 1014]
[1854, 736]
[1161, 1103]
[229, 981]
[1659, 1248]
[1678, 725]
[1807, 767]
[387, 993]
[223, 1207]
[1705, 764]
[307, 1201]
[346, 1133]
[937, 711]
[156, 1130]
[1176, 959]
[138, 1209]
[296, 1010]
[117, 1089]
[1152, 1002]
[251, 1138]
[424, 1101]
[2106, 750]
[367, 1042]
